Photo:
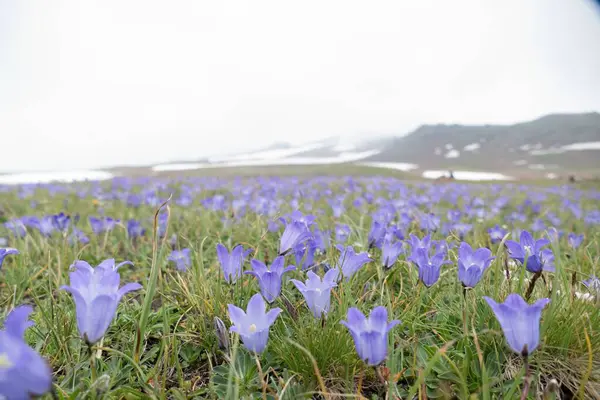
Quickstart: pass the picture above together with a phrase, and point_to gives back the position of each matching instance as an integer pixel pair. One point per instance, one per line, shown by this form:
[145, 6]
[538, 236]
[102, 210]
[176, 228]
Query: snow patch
[58, 176]
[452, 154]
[582, 146]
[340, 158]
[467, 175]
[391, 165]
[448, 146]
[268, 154]
[344, 147]
[437, 151]
[472, 147]
[551, 175]
[176, 167]
[520, 162]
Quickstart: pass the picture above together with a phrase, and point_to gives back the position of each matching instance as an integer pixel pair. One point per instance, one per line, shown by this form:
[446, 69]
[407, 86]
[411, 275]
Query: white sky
[98, 83]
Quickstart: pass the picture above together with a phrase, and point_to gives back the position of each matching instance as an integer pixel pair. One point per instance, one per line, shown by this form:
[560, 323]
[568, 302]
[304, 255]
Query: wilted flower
[350, 262]
[429, 268]
[317, 292]
[231, 264]
[370, 334]
[181, 258]
[295, 232]
[390, 252]
[530, 252]
[96, 294]
[254, 324]
[520, 322]
[472, 264]
[575, 240]
[5, 252]
[23, 371]
[269, 279]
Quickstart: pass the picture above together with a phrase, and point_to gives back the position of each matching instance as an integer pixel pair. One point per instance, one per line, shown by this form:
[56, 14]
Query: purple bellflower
[593, 284]
[472, 264]
[5, 252]
[317, 292]
[575, 240]
[520, 322]
[350, 262]
[23, 371]
[135, 228]
[416, 243]
[376, 234]
[181, 258]
[231, 263]
[295, 232]
[253, 325]
[390, 252]
[269, 279]
[429, 268]
[96, 294]
[370, 335]
[530, 252]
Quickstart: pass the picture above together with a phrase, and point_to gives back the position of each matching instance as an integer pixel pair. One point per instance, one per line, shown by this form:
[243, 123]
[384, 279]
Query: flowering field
[289, 288]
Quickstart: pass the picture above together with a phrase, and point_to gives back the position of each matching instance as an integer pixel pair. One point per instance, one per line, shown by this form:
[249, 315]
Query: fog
[87, 84]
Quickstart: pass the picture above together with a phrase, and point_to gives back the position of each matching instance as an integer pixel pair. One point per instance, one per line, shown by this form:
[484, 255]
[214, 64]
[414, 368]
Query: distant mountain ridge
[541, 144]
[552, 145]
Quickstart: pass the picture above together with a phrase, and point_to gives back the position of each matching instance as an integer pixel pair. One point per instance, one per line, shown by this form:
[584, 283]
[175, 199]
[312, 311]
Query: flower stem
[465, 315]
[527, 378]
[93, 369]
[536, 276]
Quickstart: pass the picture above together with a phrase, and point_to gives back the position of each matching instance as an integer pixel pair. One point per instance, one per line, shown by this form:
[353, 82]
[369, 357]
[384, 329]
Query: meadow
[482, 291]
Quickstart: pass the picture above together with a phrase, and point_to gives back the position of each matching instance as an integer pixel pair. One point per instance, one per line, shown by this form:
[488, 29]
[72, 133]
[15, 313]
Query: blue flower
[253, 325]
[429, 268]
[390, 251]
[370, 335]
[96, 294]
[350, 262]
[472, 264]
[5, 252]
[520, 322]
[575, 240]
[531, 253]
[231, 264]
[269, 279]
[23, 371]
[295, 232]
[135, 229]
[181, 258]
[317, 292]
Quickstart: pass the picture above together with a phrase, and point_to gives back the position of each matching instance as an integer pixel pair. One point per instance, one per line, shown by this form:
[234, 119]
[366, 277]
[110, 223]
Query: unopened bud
[222, 334]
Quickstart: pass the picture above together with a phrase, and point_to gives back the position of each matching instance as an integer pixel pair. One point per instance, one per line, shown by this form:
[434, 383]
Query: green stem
[154, 269]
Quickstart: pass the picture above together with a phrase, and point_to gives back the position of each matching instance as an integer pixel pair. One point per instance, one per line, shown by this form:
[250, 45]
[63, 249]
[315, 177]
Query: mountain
[553, 145]
[554, 142]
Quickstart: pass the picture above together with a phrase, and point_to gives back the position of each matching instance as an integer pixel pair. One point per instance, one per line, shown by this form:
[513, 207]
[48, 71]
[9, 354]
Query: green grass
[175, 354]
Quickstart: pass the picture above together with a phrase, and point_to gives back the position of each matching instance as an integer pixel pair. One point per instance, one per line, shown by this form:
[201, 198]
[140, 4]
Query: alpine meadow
[299, 287]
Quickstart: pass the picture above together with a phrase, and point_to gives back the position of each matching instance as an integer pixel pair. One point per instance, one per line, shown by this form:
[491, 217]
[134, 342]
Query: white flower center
[252, 328]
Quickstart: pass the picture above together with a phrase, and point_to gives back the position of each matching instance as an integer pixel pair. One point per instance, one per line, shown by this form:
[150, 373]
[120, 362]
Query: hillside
[554, 142]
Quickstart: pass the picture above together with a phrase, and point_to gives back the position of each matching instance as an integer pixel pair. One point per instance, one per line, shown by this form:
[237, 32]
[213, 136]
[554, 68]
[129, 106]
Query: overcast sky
[96, 83]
